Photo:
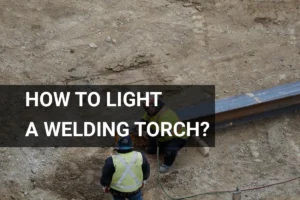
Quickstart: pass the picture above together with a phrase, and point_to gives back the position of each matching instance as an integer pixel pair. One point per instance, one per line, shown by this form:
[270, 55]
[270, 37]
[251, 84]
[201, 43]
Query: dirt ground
[238, 45]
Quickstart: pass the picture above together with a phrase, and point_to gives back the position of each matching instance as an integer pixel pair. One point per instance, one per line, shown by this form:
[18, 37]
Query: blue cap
[124, 143]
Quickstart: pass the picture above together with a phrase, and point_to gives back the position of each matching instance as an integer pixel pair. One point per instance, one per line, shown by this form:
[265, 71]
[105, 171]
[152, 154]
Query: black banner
[86, 116]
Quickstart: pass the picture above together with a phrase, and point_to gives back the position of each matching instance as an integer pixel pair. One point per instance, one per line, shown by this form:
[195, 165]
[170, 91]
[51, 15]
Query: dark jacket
[109, 169]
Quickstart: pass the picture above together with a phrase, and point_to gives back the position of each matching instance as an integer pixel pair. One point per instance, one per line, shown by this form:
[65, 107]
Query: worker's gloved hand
[105, 189]
[144, 183]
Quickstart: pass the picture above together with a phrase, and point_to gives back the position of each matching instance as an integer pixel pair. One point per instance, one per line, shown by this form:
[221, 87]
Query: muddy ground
[240, 46]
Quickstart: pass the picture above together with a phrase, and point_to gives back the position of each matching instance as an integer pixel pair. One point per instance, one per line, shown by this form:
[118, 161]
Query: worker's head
[124, 143]
[152, 109]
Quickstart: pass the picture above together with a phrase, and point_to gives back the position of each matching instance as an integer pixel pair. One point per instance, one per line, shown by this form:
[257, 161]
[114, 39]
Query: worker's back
[128, 176]
[166, 114]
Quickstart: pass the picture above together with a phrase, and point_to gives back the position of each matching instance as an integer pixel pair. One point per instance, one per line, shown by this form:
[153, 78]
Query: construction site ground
[238, 45]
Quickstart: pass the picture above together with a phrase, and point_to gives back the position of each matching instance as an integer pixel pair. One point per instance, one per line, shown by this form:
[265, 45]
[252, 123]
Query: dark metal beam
[258, 105]
[247, 107]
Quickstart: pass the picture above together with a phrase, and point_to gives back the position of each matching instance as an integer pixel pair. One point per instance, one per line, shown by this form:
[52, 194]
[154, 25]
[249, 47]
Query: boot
[164, 168]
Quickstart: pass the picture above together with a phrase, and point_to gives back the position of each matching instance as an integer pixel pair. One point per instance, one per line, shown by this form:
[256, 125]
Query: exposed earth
[239, 46]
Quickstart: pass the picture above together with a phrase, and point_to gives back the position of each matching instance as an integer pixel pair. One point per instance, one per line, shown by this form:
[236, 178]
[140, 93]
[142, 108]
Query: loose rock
[108, 39]
[93, 45]
[187, 4]
[282, 76]
[199, 8]
[34, 170]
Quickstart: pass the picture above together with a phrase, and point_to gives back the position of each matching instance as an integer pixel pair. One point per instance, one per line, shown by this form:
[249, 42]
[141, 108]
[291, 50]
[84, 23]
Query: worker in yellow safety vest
[169, 145]
[125, 173]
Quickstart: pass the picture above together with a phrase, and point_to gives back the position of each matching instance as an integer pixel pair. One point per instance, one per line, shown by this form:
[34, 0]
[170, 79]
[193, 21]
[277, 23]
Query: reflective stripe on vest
[128, 171]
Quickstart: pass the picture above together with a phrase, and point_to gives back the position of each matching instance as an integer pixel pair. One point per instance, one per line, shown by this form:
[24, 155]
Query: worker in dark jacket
[125, 174]
[169, 145]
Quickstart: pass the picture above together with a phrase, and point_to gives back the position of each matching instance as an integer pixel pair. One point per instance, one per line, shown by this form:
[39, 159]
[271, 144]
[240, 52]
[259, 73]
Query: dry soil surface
[238, 45]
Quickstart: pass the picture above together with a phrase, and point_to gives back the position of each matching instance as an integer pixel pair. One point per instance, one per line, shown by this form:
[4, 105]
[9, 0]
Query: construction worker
[125, 173]
[169, 145]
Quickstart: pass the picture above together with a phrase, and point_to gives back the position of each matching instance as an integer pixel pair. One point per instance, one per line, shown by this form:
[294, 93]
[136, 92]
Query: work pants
[169, 148]
[137, 196]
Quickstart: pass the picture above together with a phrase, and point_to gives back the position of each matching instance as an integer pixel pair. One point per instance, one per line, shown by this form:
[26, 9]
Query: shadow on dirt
[76, 176]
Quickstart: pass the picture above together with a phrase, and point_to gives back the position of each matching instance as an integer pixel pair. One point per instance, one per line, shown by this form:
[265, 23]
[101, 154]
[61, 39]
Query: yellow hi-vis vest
[128, 176]
[166, 115]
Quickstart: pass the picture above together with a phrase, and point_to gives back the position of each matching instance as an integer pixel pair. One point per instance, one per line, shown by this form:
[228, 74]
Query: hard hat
[124, 143]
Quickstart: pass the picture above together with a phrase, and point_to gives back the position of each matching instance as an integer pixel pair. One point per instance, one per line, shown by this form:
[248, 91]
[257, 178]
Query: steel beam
[247, 107]
[258, 105]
